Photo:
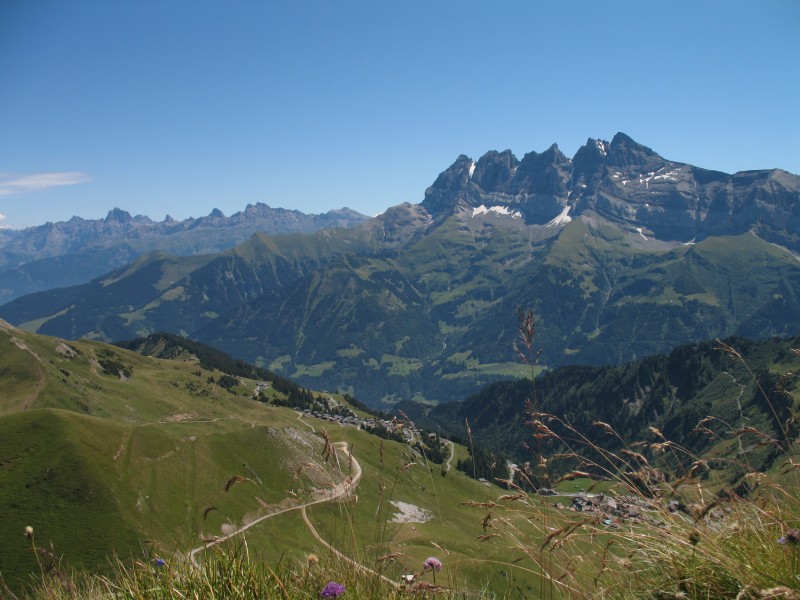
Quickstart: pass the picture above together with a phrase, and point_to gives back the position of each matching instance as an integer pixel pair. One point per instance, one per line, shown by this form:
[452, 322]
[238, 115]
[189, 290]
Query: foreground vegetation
[712, 548]
[240, 499]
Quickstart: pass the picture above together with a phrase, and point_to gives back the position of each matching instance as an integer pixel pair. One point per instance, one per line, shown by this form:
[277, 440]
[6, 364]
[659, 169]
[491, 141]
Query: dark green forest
[692, 397]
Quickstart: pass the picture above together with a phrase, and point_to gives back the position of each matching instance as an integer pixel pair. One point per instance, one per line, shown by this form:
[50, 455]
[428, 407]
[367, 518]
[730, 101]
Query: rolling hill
[107, 452]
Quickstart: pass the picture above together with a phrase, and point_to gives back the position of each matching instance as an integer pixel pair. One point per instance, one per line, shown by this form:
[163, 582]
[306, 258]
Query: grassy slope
[99, 464]
[96, 463]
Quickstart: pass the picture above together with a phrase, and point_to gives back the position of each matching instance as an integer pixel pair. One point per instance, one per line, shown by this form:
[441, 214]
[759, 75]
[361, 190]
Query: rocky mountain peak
[495, 170]
[627, 183]
[261, 210]
[625, 153]
[346, 212]
[544, 173]
[117, 215]
[588, 161]
[554, 156]
[439, 197]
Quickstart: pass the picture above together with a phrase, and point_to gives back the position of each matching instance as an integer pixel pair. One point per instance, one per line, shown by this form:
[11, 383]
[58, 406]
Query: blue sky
[171, 107]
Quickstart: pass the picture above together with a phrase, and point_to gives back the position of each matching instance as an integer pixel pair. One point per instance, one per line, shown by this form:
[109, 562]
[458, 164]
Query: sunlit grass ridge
[669, 523]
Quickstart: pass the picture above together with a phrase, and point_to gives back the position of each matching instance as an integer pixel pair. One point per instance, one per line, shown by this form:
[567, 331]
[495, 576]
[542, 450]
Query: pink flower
[433, 564]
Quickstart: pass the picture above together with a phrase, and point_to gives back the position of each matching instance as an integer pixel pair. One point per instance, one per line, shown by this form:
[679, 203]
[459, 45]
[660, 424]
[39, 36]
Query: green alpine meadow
[197, 475]
[109, 455]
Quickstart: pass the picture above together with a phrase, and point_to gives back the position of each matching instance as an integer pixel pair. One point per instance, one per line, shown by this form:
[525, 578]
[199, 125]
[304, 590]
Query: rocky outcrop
[626, 183]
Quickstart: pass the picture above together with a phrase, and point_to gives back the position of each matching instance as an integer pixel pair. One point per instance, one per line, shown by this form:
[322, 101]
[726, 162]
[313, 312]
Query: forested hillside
[694, 397]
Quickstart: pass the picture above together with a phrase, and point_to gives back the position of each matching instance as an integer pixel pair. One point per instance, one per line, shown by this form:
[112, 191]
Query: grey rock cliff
[626, 183]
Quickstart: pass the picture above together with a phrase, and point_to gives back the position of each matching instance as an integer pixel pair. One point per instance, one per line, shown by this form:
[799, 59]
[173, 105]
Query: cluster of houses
[393, 428]
[329, 409]
[262, 386]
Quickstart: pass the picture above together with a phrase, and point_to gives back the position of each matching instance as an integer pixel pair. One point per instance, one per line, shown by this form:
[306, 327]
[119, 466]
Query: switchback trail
[356, 564]
[337, 491]
[452, 454]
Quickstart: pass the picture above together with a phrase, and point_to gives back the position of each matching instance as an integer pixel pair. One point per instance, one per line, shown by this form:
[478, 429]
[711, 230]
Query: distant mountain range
[619, 252]
[75, 251]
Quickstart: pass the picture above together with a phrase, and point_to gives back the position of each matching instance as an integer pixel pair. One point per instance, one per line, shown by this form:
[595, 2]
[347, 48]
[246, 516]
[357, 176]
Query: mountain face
[629, 185]
[66, 253]
[620, 254]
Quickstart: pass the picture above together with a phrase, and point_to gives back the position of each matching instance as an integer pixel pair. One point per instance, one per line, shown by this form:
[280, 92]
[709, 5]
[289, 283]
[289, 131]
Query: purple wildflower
[433, 564]
[792, 536]
[159, 562]
[332, 590]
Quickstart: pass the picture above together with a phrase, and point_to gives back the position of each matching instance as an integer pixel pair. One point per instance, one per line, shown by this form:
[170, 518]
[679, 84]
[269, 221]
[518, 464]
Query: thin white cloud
[13, 184]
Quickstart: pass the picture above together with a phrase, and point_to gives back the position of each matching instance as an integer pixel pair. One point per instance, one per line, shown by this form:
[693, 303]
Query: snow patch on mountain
[501, 210]
[561, 219]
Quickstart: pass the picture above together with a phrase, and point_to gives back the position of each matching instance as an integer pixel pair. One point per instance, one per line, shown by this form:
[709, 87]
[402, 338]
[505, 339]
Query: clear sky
[178, 107]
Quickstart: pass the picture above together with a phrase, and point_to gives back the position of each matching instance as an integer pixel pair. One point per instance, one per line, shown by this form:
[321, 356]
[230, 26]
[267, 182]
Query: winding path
[337, 491]
[452, 454]
[304, 422]
[742, 416]
[40, 381]
[356, 564]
